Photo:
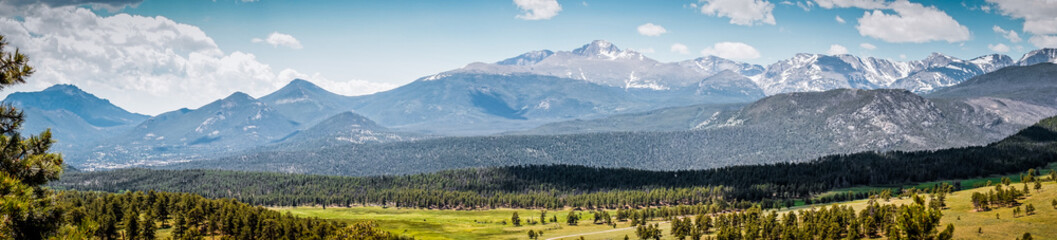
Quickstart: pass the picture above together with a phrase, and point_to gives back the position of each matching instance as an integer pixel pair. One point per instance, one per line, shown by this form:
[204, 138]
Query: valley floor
[489, 224]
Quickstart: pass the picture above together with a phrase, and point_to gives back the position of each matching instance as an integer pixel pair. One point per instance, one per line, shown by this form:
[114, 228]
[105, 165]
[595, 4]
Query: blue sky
[399, 41]
[358, 47]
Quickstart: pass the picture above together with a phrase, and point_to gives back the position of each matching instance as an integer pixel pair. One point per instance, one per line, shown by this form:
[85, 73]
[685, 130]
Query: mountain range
[597, 88]
[789, 127]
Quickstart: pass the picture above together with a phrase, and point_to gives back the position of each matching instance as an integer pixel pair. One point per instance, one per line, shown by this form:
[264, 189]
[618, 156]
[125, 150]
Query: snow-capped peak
[602, 49]
[1039, 56]
[528, 58]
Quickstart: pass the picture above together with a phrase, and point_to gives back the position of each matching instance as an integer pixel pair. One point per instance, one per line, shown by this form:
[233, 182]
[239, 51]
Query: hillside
[233, 123]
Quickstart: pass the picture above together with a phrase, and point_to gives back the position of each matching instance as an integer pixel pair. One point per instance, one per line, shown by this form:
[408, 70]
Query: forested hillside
[567, 185]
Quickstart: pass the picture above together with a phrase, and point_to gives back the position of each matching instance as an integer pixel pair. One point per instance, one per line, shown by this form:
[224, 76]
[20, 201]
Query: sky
[154, 56]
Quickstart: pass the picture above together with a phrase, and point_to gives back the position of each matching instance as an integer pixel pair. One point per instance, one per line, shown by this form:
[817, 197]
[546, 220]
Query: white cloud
[145, 64]
[837, 49]
[1000, 48]
[680, 48]
[911, 22]
[109, 5]
[538, 9]
[1040, 17]
[1008, 34]
[867, 46]
[1044, 41]
[732, 50]
[902, 56]
[277, 39]
[839, 19]
[806, 6]
[864, 4]
[652, 30]
[740, 12]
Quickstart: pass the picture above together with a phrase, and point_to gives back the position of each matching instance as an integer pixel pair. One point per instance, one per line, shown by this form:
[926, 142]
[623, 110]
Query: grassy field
[1041, 225]
[487, 224]
[461, 224]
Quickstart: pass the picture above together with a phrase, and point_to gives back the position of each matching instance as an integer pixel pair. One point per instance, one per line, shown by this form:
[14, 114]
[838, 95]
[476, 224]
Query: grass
[487, 224]
[457, 224]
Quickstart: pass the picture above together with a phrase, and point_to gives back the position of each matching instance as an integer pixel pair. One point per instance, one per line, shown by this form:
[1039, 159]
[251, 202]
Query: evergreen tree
[132, 229]
[25, 164]
[515, 220]
[572, 219]
[147, 228]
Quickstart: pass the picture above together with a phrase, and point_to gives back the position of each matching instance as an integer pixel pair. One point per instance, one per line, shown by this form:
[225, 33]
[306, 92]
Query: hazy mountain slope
[233, 123]
[1034, 84]
[345, 127]
[667, 119]
[1016, 95]
[883, 119]
[76, 118]
[467, 104]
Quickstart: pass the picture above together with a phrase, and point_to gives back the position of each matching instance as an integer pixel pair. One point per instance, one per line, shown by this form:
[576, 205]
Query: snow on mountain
[817, 72]
[529, 58]
[598, 62]
[234, 123]
[1039, 56]
[711, 65]
[603, 63]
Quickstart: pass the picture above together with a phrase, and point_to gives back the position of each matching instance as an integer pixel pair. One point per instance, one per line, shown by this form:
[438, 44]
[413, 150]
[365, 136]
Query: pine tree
[572, 219]
[515, 220]
[131, 224]
[147, 228]
[25, 164]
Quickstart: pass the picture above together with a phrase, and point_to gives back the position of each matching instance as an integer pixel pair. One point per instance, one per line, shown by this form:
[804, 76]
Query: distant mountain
[476, 103]
[729, 84]
[857, 120]
[76, 118]
[781, 128]
[305, 103]
[596, 89]
[816, 72]
[1039, 56]
[233, 123]
[603, 63]
[660, 120]
[1019, 95]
